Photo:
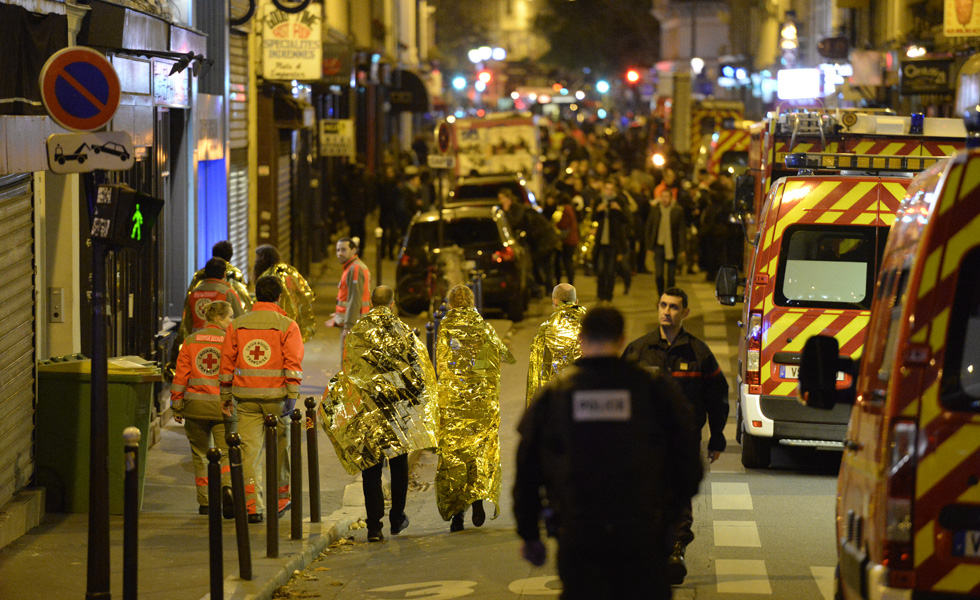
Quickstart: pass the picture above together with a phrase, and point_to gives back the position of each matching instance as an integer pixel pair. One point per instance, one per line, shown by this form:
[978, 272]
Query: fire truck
[821, 233]
[908, 505]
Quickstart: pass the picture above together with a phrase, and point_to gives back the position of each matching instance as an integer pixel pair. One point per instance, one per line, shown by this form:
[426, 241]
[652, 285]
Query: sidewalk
[50, 562]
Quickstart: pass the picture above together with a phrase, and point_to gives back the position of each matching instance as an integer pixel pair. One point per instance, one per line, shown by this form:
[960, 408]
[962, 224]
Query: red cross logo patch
[208, 360]
[257, 353]
[201, 308]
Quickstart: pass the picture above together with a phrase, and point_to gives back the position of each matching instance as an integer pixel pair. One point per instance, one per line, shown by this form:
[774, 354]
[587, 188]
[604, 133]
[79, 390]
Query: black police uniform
[690, 363]
[616, 451]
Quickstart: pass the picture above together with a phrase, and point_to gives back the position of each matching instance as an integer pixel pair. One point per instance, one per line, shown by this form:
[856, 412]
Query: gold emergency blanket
[554, 347]
[468, 355]
[297, 298]
[383, 402]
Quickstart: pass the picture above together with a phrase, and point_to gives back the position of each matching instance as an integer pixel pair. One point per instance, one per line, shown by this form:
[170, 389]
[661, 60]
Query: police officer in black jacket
[672, 351]
[615, 450]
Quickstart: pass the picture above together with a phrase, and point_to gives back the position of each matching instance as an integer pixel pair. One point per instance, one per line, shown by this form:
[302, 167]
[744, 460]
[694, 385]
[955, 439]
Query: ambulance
[818, 251]
[908, 506]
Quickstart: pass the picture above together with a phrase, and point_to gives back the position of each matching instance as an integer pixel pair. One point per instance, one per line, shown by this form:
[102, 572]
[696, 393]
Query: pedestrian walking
[612, 241]
[615, 451]
[212, 287]
[196, 401]
[233, 275]
[556, 344]
[665, 236]
[568, 231]
[672, 351]
[468, 355]
[381, 406]
[260, 374]
[354, 289]
[297, 295]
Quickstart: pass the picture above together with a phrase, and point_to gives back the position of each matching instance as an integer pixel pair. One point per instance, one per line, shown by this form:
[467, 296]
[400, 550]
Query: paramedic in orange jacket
[354, 293]
[261, 370]
[196, 401]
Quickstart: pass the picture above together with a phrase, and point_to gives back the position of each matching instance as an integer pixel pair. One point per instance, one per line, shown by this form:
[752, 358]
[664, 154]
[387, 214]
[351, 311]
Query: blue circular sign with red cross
[80, 89]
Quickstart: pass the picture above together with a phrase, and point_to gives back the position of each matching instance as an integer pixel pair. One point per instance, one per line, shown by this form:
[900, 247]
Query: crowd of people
[591, 398]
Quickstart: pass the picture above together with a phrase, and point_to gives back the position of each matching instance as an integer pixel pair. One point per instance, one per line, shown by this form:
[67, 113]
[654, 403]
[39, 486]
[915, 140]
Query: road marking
[730, 496]
[742, 577]
[825, 581]
[742, 534]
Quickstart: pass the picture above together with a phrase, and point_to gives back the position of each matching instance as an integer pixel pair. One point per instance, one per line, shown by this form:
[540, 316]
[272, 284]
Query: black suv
[488, 244]
[483, 189]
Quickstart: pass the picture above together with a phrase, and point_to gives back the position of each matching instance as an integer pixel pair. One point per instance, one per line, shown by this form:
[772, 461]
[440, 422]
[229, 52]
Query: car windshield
[828, 267]
[460, 232]
[487, 190]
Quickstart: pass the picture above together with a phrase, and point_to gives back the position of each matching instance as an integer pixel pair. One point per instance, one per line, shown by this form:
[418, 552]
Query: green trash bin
[63, 427]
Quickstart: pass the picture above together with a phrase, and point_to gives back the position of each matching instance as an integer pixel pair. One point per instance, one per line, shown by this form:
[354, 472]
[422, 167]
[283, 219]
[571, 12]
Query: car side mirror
[744, 193]
[820, 363]
[726, 285]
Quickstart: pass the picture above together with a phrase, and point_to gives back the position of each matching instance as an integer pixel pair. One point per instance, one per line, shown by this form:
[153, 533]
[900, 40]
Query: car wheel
[61, 160]
[81, 159]
[124, 157]
[756, 451]
[96, 149]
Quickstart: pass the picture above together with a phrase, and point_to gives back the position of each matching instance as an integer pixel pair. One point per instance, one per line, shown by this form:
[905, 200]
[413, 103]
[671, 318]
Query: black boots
[479, 515]
[676, 569]
[457, 522]
[400, 526]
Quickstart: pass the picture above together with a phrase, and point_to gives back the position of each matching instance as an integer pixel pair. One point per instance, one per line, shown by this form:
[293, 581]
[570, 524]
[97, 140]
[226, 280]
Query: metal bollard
[271, 487]
[238, 494]
[215, 549]
[479, 290]
[379, 239]
[131, 508]
[296, 471]
[430, 340]
[312, 459]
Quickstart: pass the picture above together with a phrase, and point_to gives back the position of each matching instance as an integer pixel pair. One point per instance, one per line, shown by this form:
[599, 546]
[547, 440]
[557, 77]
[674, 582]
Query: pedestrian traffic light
[632, 76]
[124, 217]
[834, 48]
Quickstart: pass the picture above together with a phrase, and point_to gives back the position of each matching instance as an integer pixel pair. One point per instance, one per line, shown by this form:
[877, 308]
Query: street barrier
[271, 487]
[313, 459]
[238, 495]
[296, 473]
[215, 549]
[131, 509]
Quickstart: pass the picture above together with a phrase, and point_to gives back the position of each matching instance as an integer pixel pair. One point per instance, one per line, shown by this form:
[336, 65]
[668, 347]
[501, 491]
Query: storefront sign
[338, 63]
[170, 90]
[292, 43]
[210, 127]
[337, 137]
[927, 76]
[961, 18]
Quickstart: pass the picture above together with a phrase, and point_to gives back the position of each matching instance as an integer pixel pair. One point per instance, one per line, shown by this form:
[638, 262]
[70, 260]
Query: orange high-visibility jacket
[206, 292]
[354, 295]
[194, 392]
[262, 356]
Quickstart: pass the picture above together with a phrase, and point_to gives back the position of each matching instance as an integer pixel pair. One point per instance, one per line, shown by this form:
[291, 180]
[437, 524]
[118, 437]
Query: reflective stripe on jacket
[206, 292]
[262, 356]
[194, 392]
[354, 295]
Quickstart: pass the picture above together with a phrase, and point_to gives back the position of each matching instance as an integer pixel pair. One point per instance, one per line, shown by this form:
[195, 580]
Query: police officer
[261, 369]
[672, 351]
[615, 450]
[196, 401]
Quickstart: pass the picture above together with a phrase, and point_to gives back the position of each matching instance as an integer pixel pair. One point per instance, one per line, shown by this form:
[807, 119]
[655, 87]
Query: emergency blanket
[383, 402]
[554, 347]
[297, 298]
[468, 355]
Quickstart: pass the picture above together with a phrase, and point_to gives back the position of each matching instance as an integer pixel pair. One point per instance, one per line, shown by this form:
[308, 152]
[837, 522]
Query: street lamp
[602, 86]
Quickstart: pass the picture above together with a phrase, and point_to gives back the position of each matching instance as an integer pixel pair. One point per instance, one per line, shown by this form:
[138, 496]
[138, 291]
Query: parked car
[483, 190]
[488, 244]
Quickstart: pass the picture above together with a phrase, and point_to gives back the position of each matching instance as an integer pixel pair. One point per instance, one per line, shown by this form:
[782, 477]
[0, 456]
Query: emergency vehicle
[908, 506]
[817, 254]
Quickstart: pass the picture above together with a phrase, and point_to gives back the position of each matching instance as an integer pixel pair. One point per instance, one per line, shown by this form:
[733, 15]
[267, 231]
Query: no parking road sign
[80, 89]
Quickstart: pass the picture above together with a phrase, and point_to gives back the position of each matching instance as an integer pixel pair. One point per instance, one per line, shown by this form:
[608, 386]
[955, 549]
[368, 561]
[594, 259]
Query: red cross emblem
[208, 360]
[256, 353]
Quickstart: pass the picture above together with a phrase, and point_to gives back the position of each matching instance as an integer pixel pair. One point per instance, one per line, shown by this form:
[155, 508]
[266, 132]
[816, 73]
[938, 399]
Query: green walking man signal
[121, 215]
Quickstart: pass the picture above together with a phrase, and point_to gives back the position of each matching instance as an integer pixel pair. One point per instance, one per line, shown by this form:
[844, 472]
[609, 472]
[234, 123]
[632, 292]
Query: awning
[407, 93]
[292, 113]
[27, 41]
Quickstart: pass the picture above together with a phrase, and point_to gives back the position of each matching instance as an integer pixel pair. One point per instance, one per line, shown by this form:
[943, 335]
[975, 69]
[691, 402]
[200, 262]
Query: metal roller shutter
[284, 194]
[238, 209]
[238, 104]
[17, 339]
[238, 142]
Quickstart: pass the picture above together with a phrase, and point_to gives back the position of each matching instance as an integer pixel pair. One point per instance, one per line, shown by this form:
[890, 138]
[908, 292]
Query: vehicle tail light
[405, 260]
[899, 493]
[504, 255]
[752, 358]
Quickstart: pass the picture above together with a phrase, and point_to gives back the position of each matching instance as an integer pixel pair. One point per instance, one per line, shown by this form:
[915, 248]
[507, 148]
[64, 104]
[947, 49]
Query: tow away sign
[86, 152]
